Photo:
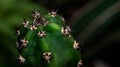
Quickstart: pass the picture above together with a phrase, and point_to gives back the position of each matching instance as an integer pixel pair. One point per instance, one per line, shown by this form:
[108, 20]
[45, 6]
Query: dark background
[101, 48]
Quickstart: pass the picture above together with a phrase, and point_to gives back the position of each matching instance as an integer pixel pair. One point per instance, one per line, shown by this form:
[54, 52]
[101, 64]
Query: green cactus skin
[46, 42]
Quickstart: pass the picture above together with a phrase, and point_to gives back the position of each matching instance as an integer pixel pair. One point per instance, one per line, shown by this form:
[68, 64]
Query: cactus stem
[25, 23]
[33, 27]
[41, 34]
[37, 42]
[21, 59]
[47, 56]
[79, 63]
[24, 42]
[76, 45]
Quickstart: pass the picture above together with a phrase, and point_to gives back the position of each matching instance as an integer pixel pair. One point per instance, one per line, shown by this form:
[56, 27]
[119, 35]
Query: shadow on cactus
[45, 41]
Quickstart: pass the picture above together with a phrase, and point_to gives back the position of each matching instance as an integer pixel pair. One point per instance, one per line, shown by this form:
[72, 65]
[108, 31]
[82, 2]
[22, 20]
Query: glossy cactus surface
[46, 42]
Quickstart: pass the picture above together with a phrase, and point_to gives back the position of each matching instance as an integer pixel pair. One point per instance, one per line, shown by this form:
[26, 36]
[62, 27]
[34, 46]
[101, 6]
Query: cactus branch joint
[47, 37]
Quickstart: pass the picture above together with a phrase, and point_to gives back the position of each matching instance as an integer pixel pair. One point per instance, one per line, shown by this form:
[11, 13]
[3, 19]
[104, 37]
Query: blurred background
[95, 23]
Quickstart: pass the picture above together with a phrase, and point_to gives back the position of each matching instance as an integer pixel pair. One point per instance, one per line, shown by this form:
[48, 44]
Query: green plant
[45, 41]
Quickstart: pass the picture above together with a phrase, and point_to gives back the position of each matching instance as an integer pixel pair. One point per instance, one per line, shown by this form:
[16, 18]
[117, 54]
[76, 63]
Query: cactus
[46, 42]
